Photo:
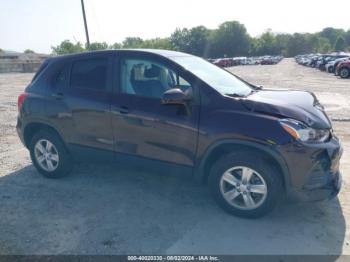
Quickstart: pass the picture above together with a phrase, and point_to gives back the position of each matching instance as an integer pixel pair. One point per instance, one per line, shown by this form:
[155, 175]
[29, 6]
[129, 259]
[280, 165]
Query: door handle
[57, 96]
[124, 110]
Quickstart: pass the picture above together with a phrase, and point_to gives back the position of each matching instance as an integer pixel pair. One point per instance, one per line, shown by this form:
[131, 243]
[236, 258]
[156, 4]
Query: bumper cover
[20, 131]
[322, 178]
[328, 191]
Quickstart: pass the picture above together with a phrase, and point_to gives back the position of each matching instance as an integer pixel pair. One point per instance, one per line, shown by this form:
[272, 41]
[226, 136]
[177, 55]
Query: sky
[40, 24]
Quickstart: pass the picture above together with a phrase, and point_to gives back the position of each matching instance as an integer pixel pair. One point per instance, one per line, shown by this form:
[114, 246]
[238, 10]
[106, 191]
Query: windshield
[221, 80]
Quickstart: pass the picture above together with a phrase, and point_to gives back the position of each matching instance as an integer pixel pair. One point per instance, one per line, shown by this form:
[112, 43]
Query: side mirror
[175, 96]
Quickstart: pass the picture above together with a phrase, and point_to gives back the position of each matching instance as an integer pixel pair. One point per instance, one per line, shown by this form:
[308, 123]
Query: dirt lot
[110, 210]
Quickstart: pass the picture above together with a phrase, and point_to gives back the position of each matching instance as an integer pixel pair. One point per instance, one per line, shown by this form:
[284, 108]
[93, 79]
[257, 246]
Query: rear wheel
[245, 185]
[330, 69]
[344, 72]
[49, 155]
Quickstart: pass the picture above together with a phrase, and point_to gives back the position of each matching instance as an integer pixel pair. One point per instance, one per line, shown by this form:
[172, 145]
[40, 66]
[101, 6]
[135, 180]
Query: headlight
[302, 132]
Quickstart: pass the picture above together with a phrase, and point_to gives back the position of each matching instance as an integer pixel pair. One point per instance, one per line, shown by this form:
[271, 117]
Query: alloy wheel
[46, 155]
[243, 188]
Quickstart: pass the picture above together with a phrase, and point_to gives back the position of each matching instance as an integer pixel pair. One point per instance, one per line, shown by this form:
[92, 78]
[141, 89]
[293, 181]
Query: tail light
[20, 100]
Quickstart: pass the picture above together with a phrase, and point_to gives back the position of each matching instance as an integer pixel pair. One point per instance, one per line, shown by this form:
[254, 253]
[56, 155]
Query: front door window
[144, 78]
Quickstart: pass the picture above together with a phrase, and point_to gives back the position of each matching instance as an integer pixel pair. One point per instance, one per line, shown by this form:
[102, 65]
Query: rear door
[143, 126]
[81, 93]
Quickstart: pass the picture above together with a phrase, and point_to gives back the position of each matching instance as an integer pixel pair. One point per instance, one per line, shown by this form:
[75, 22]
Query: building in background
[14, 62]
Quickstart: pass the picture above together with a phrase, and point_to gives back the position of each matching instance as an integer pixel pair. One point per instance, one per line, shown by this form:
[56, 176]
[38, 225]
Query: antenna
[85, 24]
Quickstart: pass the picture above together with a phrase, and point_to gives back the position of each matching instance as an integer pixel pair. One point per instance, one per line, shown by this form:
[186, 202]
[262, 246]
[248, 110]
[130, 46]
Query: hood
[299, 105]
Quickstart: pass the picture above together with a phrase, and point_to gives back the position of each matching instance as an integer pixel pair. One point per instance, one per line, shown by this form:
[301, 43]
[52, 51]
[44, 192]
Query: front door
[142, 125]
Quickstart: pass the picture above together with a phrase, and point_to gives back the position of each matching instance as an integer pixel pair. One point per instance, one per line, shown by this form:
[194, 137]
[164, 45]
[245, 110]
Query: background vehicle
[235, 61]
[223, 62]
[329, 59]
[343, 69]
[173, 110]
[330, 66]
[336, 63]
[325, 62]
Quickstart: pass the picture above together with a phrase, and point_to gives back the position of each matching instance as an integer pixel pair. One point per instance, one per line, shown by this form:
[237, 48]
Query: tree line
[230, 39]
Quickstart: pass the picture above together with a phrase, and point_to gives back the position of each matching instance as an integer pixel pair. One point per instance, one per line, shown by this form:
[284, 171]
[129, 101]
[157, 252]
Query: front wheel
[245, 185]
[49, 155]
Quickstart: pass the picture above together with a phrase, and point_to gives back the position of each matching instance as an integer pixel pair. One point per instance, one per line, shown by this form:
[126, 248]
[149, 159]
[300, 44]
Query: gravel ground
[111, 210]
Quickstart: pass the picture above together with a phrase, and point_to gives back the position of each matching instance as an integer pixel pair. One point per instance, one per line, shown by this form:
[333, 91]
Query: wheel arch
[34, 127]
[216, 150]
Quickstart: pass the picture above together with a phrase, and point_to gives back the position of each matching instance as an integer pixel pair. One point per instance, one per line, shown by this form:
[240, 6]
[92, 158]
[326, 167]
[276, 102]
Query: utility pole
[85, 24]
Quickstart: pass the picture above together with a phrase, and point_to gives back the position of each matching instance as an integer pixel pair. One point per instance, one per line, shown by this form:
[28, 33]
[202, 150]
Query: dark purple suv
[168, 109]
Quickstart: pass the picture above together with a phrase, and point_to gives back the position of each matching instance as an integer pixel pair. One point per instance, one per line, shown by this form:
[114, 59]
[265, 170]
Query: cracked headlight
[300, 131]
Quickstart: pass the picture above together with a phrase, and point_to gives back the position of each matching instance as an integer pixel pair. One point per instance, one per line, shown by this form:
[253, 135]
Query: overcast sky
[39, 24]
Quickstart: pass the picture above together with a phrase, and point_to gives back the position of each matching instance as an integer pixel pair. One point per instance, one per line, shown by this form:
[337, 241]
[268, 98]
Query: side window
[89, 74]
[183, 83]
[147, 78]
[60, 78]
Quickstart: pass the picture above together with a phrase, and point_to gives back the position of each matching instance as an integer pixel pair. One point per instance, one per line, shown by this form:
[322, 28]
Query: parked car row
[235, 61]
[336, 63]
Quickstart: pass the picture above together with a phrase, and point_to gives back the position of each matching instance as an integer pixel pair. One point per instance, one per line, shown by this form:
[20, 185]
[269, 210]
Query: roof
[161, 52]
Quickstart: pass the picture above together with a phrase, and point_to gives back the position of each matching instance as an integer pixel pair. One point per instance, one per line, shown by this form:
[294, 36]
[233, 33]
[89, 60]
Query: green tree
[282, 41]
[97, 46]
[340, 44]
[156, 43]
[314, 41]
[331, 34]
[347, 38]
[116, 46]
[199, 42]
[132, 42]
[67, 47]
[29, 51]
[325, 46]
[299, 44]
[266, 44]
[230, 39]
[180, 39]
[194, 41]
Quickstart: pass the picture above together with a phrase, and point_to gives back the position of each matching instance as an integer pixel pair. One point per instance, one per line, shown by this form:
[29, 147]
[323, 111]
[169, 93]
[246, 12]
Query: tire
[263, 175]
[344, 72]
[41, 153]
[330, 69]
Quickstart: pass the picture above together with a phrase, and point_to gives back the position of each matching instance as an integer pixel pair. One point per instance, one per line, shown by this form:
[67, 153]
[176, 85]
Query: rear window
[89, 74]
[41, 68]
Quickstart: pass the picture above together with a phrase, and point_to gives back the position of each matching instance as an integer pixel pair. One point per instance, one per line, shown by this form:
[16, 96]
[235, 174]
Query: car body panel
[298, 105]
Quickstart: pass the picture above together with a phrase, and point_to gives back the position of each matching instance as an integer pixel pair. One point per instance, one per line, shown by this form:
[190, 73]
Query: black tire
[330, 69]
[344, 72]
[275, 191]
[65, 163]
